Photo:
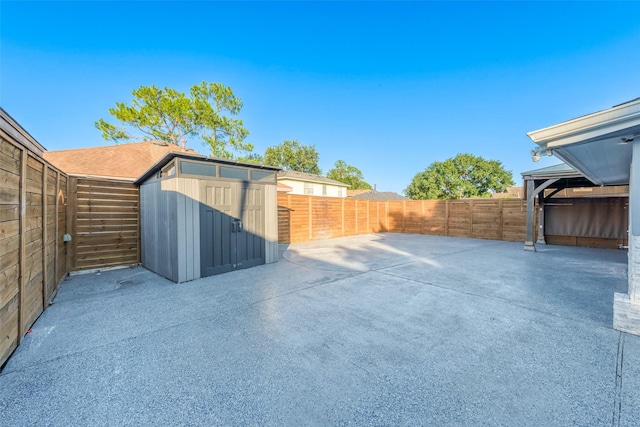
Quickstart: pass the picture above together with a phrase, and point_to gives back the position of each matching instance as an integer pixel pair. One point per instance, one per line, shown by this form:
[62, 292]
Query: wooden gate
[104, 223]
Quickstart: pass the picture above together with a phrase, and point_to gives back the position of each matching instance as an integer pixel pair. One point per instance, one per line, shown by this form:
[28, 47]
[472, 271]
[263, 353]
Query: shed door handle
[239, 226]
[233, 227]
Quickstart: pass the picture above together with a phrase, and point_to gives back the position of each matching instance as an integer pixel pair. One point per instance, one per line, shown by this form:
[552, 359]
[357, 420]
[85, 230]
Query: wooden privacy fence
[32, 225]
[104, 223]
[304, 218]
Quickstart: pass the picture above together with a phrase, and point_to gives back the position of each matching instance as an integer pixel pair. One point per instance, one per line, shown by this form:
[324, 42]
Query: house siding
[317, 188]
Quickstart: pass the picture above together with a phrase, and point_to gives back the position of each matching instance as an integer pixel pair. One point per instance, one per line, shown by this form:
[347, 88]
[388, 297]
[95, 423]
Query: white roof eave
[588, 127]
[335, 184]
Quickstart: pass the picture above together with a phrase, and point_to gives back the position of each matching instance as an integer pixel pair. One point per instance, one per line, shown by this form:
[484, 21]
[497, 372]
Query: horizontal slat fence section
[104, 223]
[304, 218]
[33, 303]
[32, 223]
[10, 241]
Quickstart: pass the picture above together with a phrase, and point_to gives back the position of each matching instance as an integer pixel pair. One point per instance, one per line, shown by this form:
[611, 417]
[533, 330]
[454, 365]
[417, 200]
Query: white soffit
[618, 119]
[598, 145]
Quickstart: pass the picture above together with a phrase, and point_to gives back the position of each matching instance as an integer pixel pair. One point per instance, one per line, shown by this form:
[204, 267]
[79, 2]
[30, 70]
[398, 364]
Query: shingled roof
[380, 196]
[127, 161]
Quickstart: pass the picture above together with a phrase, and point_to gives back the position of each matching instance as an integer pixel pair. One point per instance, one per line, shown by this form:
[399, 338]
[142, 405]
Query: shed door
[216, 221]
[250, 236]
[232, 226]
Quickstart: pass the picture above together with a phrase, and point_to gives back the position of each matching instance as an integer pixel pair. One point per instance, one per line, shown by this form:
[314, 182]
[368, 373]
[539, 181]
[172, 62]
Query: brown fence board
[9, 326]
[104, 215]
[104, 183]
[303, 218]
[9, 196]
[8, 162]
[28, 239]
[105, 261]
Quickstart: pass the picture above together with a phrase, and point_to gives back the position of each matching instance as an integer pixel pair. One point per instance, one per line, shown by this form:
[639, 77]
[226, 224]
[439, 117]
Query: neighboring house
[283, 188]
[312, 185]
[509, 193]
[380, 196]
[351, 193]
[122, 161]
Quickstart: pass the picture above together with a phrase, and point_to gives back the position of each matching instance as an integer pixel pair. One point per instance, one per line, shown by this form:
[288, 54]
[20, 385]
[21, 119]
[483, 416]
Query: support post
[626, 307]
[528, 243]
[541, 240]
[532, 192]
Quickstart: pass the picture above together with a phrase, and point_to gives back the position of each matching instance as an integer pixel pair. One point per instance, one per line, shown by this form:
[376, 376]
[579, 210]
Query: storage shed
[202, 216]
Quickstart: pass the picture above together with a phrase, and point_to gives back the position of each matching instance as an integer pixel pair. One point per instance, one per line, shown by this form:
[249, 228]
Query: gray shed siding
[158, 228]
[271, 224]
[171, 209]
[188, 225]
[170, 228]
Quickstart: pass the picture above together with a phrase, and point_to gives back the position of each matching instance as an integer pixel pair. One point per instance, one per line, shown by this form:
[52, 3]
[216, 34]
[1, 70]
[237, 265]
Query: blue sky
[388, 87]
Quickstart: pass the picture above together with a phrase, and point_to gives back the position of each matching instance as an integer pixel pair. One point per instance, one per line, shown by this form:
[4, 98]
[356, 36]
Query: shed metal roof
[194, 156]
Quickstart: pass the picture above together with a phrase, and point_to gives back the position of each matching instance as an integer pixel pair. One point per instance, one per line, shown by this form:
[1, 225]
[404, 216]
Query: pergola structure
[605, 148]
[556, 178]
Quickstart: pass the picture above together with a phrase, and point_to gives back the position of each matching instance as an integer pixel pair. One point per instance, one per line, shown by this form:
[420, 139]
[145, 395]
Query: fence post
[386, 214]
[289, 224]
[139, 218]
[45, 169]
[56, 273]
[404, 214]
[23, 238]
[310, 218]
[446, 217]
[72, 215]
[356, 203]
[471, 218]
[501, 223]
[342, 215]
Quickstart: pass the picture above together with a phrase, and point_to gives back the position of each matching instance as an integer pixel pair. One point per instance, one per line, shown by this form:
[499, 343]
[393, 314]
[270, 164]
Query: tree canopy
[348, 174]
[171, 116]
[292, 155]
[463, 176]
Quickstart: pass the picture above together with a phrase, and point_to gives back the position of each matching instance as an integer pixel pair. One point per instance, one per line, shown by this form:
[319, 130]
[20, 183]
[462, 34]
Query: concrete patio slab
[386, 329]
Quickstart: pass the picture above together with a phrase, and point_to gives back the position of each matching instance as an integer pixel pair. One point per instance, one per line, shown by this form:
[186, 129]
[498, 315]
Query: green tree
[348, 174]
[463, 176]
[171, 116]
[291, 155]
[254, 158]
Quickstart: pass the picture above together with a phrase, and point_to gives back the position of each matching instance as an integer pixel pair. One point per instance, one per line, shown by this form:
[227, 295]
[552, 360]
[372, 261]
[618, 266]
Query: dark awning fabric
[605, 217]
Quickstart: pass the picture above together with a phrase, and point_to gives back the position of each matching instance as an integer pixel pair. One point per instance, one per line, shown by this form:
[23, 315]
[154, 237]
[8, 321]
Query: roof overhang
[598, 145]
[315, 181]
[195, 156]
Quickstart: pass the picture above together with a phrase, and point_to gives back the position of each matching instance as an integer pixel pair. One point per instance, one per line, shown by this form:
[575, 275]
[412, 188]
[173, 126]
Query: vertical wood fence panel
[10, 239]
